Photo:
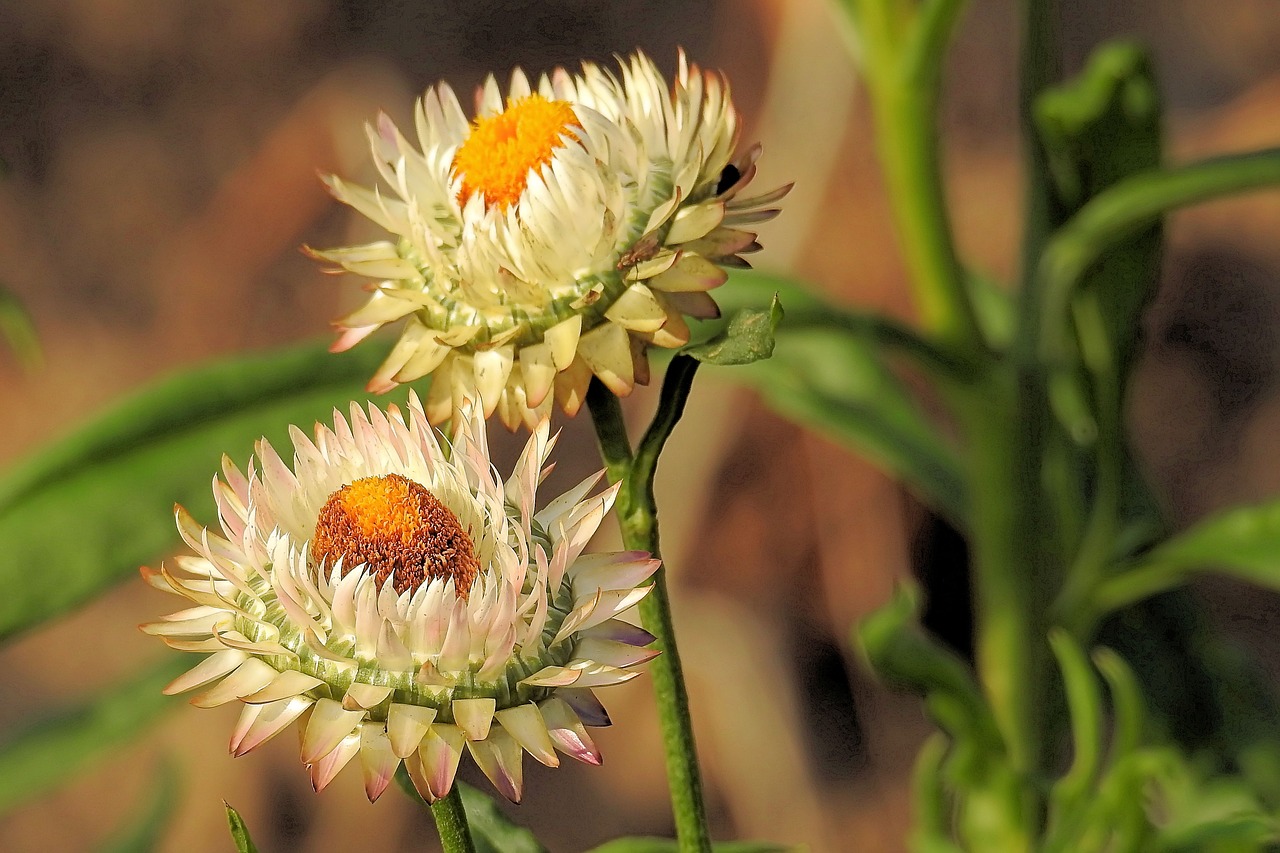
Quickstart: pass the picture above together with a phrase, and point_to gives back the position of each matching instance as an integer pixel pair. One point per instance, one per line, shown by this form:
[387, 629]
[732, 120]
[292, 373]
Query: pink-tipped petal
[440, 751]
[377, 762]
[500, 757]
[568, 732]
[328, 766]
[329, 724]
[271, 720]
[525, 724]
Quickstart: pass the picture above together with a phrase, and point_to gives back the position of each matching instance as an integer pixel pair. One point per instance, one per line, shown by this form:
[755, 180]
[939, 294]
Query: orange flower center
[399, 530]
[497, 156]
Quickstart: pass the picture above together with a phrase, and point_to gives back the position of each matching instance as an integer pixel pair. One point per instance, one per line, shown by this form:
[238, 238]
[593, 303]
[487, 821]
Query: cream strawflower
[552, 238]
[402, 602]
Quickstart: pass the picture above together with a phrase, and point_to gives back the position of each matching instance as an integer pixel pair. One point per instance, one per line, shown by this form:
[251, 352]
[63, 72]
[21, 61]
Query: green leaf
[1243, 542]
[1119, 214]
[749, 337]
[828, 373]
[491, 829]
[143, 834]
[87, 510]
[669, 845]
[902, 653]
[17, 329]
[239, 832]
[1097, 130]
[1084, 702]
[60, 744]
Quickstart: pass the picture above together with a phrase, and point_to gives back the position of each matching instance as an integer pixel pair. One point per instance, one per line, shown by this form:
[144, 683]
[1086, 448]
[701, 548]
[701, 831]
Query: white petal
[250, 676]
[606, 349]
[286, 685]
[635, 309]
[474, 716]
[563, 340]
[406, 727]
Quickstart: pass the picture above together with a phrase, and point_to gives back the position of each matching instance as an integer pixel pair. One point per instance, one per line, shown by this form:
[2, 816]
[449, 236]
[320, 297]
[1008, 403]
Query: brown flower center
[399, 530]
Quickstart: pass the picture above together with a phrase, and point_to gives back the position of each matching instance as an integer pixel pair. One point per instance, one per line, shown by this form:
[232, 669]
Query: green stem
[451, 823]
[903, 70]
[638, 518]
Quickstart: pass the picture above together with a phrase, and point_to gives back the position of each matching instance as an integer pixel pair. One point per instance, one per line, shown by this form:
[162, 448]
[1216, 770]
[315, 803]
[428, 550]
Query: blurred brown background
[163, 160]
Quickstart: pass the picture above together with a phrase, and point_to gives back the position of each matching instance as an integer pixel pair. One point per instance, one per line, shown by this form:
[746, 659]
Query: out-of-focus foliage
[99, 502]
[61, 744]
[144, 831]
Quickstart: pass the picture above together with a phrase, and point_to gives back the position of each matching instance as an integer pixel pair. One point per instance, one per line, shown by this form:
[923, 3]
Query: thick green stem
[451, 823]
[903, 69]
[638, 518]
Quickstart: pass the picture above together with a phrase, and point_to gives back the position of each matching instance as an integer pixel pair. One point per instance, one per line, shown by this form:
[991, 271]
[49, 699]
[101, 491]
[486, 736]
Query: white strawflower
[402, 602]
[557, 236]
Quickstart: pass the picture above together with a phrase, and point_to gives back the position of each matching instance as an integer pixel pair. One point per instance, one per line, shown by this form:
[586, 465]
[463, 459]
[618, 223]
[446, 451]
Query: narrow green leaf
[902, 653]
[143, 833]
[1084, 701]
[18, 331]
[88, 509]
[1122, 212]
[52, 750]
[669, 845]
[239, 831]
[1099, 129]
[1243, 542]
[749, 337]
[828, 373]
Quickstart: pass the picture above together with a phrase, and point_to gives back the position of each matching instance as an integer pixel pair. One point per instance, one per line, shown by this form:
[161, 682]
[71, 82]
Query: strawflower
[565, 230]
[402, 602]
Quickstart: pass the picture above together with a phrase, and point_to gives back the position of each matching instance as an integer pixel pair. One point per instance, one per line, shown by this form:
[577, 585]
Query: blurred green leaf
[1098, 129]
[1122, 212]
[1084, 702]
[86, 510]
[902, 653]
[491, 830]
[239, 831]
[143, 833]
[827, 375]
[17, 329]
[40, 757]
[749, 337]
[669, 845]
[1243, 542]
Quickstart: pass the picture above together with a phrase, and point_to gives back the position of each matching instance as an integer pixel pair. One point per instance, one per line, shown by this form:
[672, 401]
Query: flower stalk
[451, 823]
[638, 518]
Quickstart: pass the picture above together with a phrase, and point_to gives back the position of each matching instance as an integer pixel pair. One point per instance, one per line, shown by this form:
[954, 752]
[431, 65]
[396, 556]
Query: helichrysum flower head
[402, 602]
[570, 226]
